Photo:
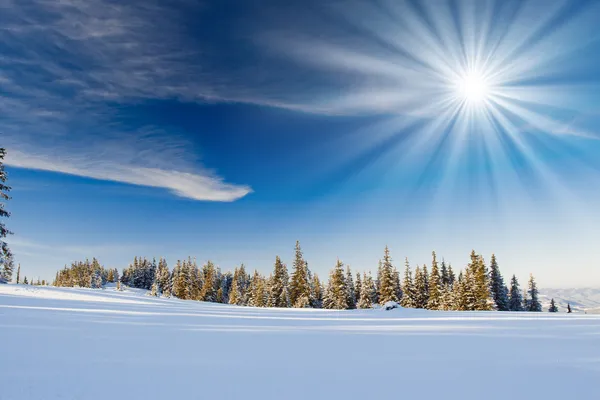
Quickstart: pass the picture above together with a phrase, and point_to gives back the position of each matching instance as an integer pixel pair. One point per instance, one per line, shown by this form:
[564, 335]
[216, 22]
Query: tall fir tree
[434, 302]
[421, 286]
[366, 296]
[552, 307]
[515, 300]
[444, 273]
[497, 287]
[408, 288]
[569, 311]
[299, 287]
[19, 273]
[451, 277]
[350, 289]
[279, 285]
[336, 296]
[358, 287]
[7, 270]
[481, 284]
[533, 303]
[387, 284]
[5, 253]
[317, 292]
[210, 286]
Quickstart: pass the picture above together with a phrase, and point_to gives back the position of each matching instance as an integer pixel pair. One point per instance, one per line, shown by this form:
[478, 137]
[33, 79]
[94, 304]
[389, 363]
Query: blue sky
[228, 130]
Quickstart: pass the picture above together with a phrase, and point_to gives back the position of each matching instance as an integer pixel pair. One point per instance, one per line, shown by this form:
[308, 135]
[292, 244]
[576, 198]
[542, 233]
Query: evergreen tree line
[476, 288]
[88, 274]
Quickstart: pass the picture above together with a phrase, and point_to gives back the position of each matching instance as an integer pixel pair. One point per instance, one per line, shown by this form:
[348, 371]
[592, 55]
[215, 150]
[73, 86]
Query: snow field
[64, 343]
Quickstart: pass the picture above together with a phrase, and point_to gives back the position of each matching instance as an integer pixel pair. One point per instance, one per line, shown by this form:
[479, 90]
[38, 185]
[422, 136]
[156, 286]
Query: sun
[473, 87]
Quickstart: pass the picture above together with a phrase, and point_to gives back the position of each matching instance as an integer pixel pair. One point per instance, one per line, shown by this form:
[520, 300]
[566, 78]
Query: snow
[64, 343]
[581, 299]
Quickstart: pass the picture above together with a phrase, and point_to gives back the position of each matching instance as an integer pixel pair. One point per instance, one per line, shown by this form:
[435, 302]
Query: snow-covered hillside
[586, 299]
[60, 343]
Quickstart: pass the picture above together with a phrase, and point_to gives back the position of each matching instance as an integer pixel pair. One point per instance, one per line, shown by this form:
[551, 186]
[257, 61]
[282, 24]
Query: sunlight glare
[473, 87]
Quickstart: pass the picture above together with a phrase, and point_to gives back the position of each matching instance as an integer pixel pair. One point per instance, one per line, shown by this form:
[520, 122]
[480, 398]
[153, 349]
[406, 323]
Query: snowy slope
[581, 299]
[62, 343]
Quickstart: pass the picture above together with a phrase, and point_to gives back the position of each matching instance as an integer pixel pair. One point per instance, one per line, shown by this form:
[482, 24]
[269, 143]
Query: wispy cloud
[66, 69]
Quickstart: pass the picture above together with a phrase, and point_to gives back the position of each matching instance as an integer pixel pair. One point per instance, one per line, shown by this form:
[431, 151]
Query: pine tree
[96, 279]
[299, 286]
[435, 286]
[18, 273]
[387, 284]
[7, 271]
[451, 277]
[569, 311]
[257, 292]
[279, 285]
[553, 307]
[317, 294]
[181, 280]
[481, 285]
[350, 289]
[25, 282]
[444, 274]
[515, 301]
[337, 293]
[210, 286]
[5, 253]
[365, 298]
[358, 287]
[408, 288]
[497, 287]
[234, 294]
[533, 296]
[421, 295]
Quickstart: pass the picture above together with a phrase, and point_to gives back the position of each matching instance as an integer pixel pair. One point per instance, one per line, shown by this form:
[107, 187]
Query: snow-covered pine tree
[279, 285]
[525, 300]
[316, 295]
[515, 301]
[497, 287]
[163, 278]
[365, 298]
[459, 295]
[552, 307]
[481, 283]
[434, 302]
[358, 286]
[7, 269]
[235, 296]
[5, 253]
[408, 288]
[25, 281]
[421, 291]
[451, 277]
[387, 286]
[397, 284]
[96, 279]
[534, 301]
[444, 273]
[378, 278]
[257, 293]
[337, 293]
[299, 286]
[179, 282]
[350, 289]
[209, 282]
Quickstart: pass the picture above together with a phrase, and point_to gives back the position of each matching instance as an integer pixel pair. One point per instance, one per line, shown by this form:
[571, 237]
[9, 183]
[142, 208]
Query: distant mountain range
[581, 300]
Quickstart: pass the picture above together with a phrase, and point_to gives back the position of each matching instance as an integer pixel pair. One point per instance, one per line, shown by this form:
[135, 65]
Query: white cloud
[192, 185]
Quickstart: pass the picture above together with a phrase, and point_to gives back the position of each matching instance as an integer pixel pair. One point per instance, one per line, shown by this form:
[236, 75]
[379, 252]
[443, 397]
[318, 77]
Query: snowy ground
[101, 344]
